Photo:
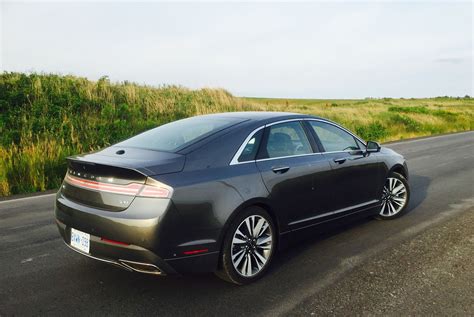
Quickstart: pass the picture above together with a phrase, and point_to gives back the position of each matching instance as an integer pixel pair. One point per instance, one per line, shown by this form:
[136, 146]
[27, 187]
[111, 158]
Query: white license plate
[80, 240]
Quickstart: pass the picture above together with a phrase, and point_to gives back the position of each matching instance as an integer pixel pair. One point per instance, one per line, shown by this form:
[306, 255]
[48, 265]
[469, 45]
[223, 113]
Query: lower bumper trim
[131, 266]
[140, 267]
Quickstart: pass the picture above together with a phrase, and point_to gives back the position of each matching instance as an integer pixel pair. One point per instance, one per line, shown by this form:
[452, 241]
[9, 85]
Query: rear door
[288, 163]
[356, 174]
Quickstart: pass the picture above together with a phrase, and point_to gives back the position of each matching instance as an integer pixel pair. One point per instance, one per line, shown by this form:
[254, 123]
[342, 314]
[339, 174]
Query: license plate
[80, 240]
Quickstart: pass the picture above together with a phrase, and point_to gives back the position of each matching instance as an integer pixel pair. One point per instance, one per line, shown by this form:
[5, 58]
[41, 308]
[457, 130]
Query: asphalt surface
[429, 275]
[41, 276]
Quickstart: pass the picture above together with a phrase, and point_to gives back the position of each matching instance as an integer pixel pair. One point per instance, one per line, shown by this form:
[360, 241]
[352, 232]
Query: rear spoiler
[104, 170]
[142, 161]
[114, 180]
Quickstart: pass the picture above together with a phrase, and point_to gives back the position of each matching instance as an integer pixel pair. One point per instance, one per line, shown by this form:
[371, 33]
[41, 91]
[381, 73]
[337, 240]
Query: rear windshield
[176, 135]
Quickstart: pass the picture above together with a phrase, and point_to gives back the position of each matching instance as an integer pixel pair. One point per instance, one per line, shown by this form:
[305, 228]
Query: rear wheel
[248, 247]
[395, 197]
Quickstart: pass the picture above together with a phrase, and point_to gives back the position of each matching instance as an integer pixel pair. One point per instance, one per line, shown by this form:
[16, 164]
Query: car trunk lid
[111, 179]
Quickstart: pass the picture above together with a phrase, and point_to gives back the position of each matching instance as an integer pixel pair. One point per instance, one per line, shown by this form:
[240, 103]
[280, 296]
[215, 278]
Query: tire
[395, 197]
[258, 249]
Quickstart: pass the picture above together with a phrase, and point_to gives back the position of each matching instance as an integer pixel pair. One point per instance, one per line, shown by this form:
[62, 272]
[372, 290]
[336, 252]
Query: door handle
[280, 169]
[339, 160]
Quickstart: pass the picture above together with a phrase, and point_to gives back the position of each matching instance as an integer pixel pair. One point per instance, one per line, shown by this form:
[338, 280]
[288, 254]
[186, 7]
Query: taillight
[155, 189]
[129, 189]
[152, 188]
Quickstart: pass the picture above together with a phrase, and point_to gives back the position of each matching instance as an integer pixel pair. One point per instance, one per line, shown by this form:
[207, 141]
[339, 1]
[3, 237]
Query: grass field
[385, 119]
[44, 118]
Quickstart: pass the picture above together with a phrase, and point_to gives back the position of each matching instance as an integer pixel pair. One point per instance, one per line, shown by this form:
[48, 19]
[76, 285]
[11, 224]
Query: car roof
[249, 120]
[266, 116]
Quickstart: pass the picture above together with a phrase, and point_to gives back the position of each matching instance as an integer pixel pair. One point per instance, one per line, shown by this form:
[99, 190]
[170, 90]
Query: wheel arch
[259, 202]
[400, 169]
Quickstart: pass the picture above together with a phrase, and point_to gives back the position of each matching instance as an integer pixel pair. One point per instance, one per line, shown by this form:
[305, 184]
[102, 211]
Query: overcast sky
[304, 50]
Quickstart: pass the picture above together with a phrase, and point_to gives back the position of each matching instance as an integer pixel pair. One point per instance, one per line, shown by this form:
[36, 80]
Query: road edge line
[26, 198]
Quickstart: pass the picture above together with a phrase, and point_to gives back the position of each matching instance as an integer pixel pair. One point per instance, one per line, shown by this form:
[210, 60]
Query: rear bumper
[124, 264]
[148, 232]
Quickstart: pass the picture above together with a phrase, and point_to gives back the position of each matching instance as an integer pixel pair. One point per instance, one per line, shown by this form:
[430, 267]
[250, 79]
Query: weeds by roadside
[44, 118]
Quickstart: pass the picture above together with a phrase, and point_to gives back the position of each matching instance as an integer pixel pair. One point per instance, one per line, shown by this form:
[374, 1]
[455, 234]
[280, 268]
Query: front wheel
[248, 247]
[395, 197]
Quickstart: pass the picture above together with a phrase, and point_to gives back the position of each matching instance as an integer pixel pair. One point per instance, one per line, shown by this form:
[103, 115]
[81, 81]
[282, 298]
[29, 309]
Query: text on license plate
[80, 240]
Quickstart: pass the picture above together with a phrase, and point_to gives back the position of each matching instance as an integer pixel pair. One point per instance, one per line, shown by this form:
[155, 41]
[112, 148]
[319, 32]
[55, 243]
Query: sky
[266, 49]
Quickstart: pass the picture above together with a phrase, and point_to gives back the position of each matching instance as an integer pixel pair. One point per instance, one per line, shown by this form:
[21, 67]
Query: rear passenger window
[251, 148]
[287, 139]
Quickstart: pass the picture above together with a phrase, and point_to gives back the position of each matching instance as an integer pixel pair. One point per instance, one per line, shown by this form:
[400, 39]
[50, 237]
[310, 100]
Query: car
[224, 192]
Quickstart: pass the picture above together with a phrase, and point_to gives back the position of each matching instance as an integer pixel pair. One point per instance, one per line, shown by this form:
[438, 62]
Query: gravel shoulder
[430, 274]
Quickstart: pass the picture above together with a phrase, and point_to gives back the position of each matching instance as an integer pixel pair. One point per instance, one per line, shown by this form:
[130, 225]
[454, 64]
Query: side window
[250, 150]
[334, 138]
[361, 145]
[287, 139]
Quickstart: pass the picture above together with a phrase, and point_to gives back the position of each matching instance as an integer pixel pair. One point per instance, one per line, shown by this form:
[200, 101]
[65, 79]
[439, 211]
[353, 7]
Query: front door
[356, 174]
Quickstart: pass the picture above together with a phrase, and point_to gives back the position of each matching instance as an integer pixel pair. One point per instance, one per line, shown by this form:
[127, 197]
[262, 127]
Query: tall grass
[44, 118]
[386, 119]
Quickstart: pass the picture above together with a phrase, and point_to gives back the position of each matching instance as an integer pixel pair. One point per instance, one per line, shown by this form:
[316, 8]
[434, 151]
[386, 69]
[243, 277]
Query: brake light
[155, 189]
[152, 188]
[130, 189]
[155, 192]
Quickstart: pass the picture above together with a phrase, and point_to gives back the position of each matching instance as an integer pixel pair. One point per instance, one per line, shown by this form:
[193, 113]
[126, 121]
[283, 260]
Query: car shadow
[419, 189]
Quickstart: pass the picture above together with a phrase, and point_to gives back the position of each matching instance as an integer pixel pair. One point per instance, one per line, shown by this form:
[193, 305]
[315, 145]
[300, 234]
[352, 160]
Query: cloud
[451, 60]
[313, 50]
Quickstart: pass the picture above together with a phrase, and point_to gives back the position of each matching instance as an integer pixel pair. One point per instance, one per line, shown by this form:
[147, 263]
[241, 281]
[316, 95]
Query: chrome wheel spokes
[394, 197]
[252, 245]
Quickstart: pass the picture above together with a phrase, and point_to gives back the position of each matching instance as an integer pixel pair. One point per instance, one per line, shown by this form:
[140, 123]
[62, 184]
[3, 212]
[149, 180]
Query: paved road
[430, 274]
[39, 275]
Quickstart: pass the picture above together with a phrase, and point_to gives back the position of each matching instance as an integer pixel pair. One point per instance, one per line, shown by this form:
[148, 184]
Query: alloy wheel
[394, 197]
[252, 245]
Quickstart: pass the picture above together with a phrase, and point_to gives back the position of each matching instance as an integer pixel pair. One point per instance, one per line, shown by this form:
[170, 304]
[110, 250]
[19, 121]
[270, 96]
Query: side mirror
[373, 146]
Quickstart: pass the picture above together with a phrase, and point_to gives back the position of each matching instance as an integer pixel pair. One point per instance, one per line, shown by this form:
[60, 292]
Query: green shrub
[415, 109]
[373, 131]
[447, 115]
[410, 124]
[424, 110]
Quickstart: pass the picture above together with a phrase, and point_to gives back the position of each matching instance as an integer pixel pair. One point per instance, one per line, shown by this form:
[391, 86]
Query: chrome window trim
[287, 156]
[235, 158]
[283, 121]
